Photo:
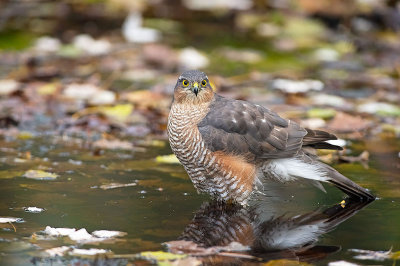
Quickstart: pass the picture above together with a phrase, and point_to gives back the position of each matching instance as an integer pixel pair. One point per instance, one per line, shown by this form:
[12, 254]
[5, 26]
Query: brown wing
[242, 128]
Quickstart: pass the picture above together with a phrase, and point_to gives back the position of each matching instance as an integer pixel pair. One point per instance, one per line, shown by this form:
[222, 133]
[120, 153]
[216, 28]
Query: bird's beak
[195, 88]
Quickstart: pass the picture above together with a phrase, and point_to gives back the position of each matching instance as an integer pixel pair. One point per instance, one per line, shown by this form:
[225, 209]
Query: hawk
[229, 146]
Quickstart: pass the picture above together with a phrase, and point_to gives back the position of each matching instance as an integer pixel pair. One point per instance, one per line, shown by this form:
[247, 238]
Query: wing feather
[242, 128]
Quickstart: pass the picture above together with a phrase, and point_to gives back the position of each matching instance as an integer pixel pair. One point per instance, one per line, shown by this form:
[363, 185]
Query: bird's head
[193, 87]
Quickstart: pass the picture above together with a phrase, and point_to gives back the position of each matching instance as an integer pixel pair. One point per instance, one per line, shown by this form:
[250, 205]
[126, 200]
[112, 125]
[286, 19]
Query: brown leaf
[346, 123]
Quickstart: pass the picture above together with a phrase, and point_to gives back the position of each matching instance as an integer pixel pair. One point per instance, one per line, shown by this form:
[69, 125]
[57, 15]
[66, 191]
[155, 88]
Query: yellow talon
[343, 203]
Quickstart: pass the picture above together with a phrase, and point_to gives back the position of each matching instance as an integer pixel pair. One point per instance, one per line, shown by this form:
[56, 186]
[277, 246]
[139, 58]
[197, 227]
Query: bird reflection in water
[260, 233]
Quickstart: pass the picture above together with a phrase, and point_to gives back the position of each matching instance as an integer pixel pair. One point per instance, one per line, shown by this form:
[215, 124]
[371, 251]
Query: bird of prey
[229, 146]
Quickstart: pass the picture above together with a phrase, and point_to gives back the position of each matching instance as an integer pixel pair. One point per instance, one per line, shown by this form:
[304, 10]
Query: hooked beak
[195, 88]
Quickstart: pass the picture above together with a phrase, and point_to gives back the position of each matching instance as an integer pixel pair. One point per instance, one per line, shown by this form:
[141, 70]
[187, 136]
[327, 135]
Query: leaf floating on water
[342, 263]
[167, 159]
[33, 209]
[161, 255]
[40, 175]
[58, 231]
[4, 220]
[58, 251]
[116, 185]
[87, 252]
[372, 255]
[82, 236]
[108, 234]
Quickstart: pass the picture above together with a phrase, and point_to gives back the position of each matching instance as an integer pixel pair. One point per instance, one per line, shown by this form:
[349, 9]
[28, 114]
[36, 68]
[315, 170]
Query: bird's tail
[347, 186]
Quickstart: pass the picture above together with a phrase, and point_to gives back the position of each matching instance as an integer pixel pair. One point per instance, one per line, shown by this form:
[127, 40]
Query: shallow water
[163, 202]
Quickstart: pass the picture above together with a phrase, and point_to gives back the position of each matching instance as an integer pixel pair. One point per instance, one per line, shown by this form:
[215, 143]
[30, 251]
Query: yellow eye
[204, 83]
[185, 83]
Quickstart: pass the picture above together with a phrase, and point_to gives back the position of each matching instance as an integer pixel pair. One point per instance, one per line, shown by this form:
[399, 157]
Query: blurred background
[85, 91]
[95, 53]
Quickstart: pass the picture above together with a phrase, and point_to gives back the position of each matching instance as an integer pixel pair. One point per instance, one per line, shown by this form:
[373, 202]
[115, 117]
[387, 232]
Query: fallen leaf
[40, 175]
[120, 112]
[380, 108]
[81, 91]
[323, 113]
[147, 99]
[297, 86]
[48, 89]
[346, 123]
[8, 86]
[113, 144]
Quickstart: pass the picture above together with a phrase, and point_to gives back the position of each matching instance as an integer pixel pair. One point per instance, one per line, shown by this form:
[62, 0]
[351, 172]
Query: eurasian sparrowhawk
[229, 146]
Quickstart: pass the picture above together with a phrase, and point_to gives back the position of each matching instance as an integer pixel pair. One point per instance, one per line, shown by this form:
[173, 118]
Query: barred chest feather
[211, 172]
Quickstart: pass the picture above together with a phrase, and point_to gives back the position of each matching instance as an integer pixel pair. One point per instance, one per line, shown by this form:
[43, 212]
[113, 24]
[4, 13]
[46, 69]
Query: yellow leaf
[25, 135]
[48, 89]
[395, 255]
[161, 255]
[40, 175]
[120, 112]
[167, 159]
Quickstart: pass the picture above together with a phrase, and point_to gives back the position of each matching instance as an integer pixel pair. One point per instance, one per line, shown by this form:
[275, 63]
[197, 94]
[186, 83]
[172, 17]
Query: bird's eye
[185, 83]
[204, 83]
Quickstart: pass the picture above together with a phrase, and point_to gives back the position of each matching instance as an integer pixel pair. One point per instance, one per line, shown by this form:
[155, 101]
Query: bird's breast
[223, 175]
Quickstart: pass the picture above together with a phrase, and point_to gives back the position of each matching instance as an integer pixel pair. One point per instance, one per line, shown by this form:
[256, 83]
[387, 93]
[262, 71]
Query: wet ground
[159, 202]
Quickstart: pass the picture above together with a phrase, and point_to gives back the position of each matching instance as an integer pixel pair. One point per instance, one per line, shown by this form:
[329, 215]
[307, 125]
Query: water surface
[163, 202]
